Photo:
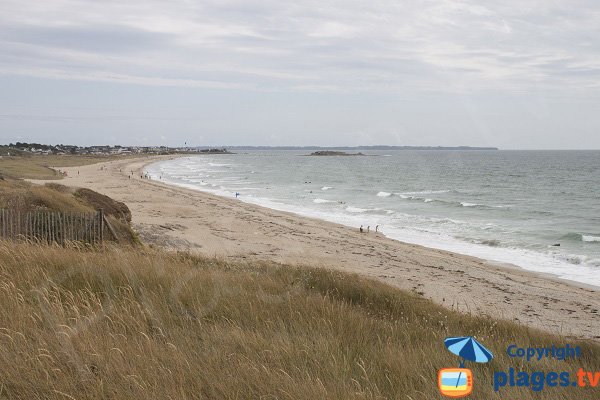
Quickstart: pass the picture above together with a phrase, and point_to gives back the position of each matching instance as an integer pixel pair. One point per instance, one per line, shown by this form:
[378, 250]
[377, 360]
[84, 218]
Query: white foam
[427, 192]
[590, 238]
[384, 194]
[356, 209]
[326, 188]
[554, 264]
[465, 204]
[322, 201]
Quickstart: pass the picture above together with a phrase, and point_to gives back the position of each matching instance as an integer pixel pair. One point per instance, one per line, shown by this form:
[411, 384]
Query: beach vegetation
[21, 196]
[133, 323]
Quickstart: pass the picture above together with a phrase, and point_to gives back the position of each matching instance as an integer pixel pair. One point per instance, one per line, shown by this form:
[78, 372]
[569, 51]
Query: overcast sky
[520, 74]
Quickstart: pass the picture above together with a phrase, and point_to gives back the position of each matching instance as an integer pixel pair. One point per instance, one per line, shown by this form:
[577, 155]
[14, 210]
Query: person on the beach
[361, 229]
[376, 228]
[368, 228]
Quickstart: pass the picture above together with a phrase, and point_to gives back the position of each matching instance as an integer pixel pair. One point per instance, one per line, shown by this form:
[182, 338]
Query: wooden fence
[55, 227]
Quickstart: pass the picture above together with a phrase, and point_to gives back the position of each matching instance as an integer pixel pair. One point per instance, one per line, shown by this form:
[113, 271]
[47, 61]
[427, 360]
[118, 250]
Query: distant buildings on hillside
[43, 149]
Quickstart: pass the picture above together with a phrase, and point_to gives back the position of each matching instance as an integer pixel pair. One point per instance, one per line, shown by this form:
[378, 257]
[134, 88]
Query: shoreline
[477, 253]
[180, 218]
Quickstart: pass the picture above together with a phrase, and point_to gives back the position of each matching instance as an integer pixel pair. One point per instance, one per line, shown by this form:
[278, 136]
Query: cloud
[274, 45]
[103, 39]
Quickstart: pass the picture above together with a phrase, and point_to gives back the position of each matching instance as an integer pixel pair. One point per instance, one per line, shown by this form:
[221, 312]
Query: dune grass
[143, 324]
[23, 196]
[27, 167]
[39, 166]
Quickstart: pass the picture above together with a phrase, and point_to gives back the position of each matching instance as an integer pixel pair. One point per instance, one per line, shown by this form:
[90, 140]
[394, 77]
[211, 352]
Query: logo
[458, 382]
[455, 382]
[542, 380]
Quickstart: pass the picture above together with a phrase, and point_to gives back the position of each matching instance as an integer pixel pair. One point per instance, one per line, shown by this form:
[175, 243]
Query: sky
[511, 74]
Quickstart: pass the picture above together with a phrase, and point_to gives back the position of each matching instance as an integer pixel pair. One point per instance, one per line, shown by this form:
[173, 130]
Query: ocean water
[504, 206]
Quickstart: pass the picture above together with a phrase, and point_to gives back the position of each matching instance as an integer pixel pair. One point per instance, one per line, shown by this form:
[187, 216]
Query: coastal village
[19, 149]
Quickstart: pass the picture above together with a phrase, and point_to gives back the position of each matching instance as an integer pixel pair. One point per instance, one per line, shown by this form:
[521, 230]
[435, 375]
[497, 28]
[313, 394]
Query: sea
[538, 210]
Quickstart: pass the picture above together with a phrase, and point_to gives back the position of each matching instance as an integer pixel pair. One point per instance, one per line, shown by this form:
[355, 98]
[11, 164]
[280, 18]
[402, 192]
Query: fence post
[52, 227]
[101, 220]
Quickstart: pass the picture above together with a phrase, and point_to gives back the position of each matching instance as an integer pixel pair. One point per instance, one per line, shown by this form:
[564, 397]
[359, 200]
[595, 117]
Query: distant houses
[61, 149]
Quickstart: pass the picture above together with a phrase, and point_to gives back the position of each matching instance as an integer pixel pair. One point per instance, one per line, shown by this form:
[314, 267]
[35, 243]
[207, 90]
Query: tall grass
[41, 166]
[24, 196]
[143, 324]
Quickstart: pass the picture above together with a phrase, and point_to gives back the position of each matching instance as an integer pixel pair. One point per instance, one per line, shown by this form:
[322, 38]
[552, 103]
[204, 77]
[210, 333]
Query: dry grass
[26, 167]
[100, 201]
[24, 196]
[132, 324]
[39, 166]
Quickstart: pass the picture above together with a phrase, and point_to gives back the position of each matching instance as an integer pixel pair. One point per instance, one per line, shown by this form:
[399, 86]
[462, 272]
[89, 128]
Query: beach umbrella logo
[458, 382]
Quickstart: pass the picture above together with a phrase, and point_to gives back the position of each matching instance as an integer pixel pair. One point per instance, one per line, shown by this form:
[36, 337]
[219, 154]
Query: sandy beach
[184, 219]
